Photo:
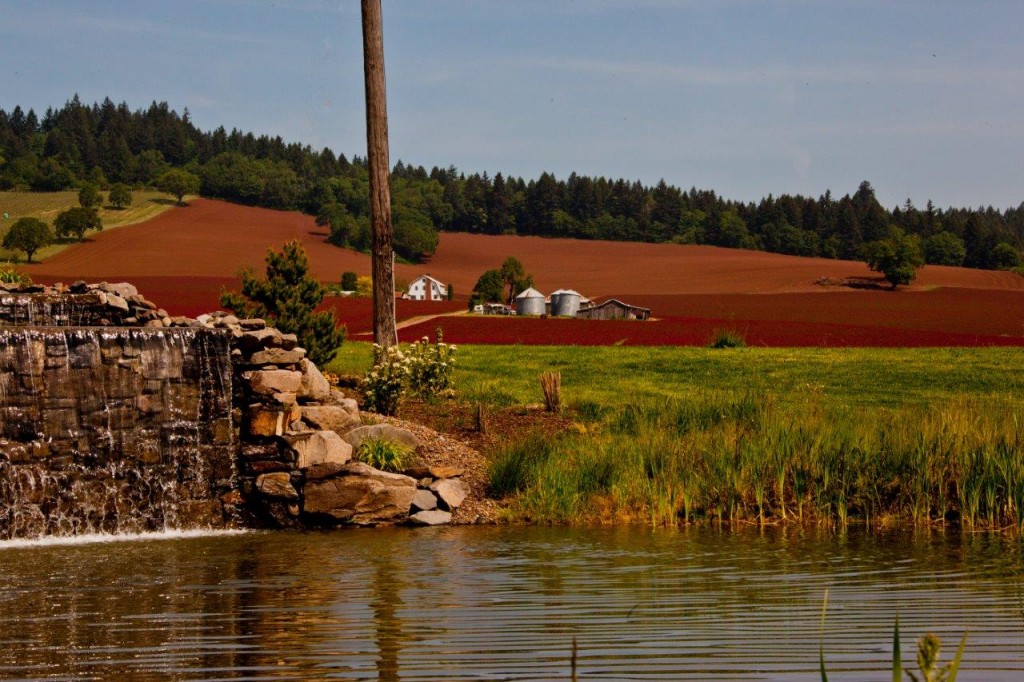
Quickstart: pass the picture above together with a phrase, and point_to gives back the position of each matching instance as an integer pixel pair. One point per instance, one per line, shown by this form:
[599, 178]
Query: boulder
[269, 422]
[337, 418]
[270, 381]
[359, 494]
[450, 492]
[387, 432]
[314, 386]
[434, 471]
[424, 500]
[251, 341]
[277, 356]
[318, 447]
[435, 517]
[277, 484]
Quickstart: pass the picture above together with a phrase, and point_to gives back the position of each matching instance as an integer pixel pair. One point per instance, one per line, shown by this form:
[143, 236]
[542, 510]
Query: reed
[746, 460]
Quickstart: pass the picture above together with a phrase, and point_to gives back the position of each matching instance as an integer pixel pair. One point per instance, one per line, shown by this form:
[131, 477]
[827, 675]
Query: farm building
[614, 309]
[530, 302]
[426, 288]
[565, 303]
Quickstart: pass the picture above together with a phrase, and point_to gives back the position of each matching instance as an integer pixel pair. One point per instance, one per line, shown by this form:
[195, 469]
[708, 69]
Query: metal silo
[565, 303]
[530, 302]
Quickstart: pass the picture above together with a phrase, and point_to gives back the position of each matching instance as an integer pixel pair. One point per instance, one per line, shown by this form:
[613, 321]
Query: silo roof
[530, 293]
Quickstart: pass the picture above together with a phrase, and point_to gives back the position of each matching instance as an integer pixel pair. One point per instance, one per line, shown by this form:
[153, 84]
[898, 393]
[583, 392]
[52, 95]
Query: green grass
[608, 376]
[146, 204]
[827, 436]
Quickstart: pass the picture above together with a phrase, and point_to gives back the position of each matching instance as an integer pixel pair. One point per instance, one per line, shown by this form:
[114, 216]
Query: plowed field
[183, 257]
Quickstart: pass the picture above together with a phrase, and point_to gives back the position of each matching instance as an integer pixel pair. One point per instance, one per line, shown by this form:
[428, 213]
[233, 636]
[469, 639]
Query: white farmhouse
[426, 288]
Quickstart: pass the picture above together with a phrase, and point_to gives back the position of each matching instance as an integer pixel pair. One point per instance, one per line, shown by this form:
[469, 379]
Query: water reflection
[505, 603]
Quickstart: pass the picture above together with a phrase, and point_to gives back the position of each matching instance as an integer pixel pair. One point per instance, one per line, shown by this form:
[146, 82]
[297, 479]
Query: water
[505, 604]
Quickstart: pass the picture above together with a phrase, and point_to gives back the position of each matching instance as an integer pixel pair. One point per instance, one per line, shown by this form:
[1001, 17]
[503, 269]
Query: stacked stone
[297, 439]
[83, 305]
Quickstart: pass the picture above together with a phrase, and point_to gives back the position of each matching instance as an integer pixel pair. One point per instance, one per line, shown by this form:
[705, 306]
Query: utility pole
[382, 250]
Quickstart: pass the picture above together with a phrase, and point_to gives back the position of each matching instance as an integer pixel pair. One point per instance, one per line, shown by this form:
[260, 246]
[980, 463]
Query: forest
[108, 143]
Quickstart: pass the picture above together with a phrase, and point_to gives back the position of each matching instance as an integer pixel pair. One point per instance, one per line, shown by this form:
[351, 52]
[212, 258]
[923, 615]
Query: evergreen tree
[288, 299]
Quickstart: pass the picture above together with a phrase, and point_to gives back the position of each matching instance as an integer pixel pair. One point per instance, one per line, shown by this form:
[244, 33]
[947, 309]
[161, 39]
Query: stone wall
[140, 421]
[113, 430]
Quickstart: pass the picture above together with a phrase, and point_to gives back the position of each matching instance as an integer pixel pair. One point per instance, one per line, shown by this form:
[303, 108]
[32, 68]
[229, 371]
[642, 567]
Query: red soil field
[685, 331]
[182, 258]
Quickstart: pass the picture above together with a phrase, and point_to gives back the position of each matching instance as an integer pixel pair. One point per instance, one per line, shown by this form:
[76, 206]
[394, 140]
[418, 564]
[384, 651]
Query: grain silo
[565, 303]
[530, 302]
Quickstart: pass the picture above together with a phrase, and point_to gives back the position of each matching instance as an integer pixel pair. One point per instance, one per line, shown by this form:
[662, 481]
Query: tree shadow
[166, 202]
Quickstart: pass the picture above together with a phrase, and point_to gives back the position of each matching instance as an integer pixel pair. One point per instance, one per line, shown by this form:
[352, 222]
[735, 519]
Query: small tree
[120, 196]
[288, 299]
[89, 196]
[178, 183]
[76, 221]
[898, 257]
[349, 281]
[490, 288]
[514, 278]
[28, 235]
[1005, 256]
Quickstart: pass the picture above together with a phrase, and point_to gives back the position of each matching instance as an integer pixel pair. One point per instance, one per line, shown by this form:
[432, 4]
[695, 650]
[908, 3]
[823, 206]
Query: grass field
[826, 436]
[46, 205]
[862, 377]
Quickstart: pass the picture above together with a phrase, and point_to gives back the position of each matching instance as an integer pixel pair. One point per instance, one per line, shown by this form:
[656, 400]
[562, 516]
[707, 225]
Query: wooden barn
[614, 309]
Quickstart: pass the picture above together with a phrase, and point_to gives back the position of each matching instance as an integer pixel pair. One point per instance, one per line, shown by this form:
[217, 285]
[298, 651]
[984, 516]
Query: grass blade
[954, 666]
[821, 640]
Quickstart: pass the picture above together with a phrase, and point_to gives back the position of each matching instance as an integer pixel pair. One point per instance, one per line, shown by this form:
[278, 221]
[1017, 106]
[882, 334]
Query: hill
[182, 257]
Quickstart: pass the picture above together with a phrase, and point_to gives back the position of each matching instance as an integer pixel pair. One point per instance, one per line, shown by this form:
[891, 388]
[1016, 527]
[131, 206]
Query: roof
[566, 291]
[530, 293]
[432, 279]
[612, 301]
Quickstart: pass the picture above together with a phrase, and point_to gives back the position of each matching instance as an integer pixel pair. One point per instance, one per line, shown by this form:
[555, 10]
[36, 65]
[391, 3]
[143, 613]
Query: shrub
[349, 281]
[9, 275]
[514, 467]
[383, 454]
[725, 338]
[431, 366]
[425, 371]
[384, 385]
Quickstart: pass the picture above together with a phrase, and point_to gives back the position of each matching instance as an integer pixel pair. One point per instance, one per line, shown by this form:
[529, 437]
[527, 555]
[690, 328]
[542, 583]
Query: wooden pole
[383, 257]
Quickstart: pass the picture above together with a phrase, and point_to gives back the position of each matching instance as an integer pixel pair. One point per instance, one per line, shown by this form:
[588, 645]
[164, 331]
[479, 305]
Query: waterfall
[112, 430]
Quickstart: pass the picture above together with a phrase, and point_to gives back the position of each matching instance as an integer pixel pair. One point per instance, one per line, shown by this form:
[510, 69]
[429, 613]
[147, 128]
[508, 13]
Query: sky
[924, 99]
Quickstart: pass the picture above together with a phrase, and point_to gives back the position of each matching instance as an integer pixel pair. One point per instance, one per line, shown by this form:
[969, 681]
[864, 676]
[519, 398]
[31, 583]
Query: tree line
[104, 144]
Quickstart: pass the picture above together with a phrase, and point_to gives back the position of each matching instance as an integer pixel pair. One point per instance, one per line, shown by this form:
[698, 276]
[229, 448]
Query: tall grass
[745, 459]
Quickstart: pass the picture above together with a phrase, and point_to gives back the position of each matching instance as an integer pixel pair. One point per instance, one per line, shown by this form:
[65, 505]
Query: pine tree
[288, 299]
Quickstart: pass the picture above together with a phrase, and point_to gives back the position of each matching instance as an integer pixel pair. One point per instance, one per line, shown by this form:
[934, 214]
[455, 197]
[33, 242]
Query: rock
[277, 484]
[252, 324]
[314, 386]
[435, 471]
[360, 494]
[319, 472]
[337, 418]
[318, 447]
[450, 492]
[277, 356]
[434, 517]
[256, 339]
[269, 422]
[387, 432]
[116, 302]
[287, 341]
[270, 381]
[424, 500]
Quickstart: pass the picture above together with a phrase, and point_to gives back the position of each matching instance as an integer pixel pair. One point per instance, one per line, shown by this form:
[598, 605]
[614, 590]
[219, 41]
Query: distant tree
[944, 248]
[490, 288]
[178, 183]
[120, 196]
[288, 299]
[76, 221]
[364, 287]
[28, 235]
[1005, 256]
[349, 281]
[451, 291]
[514, 279]
[898, 257]
[89, 196]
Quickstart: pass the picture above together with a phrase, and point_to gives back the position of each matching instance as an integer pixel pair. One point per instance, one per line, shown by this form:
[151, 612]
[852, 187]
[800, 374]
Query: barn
[614, 309]
[426, 288]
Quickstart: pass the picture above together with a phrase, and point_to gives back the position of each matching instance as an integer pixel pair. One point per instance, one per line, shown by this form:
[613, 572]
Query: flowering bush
[425, 370]
[387, 379]
[430, 367]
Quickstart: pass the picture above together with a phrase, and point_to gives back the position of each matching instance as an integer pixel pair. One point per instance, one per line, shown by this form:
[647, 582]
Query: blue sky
[746, 97]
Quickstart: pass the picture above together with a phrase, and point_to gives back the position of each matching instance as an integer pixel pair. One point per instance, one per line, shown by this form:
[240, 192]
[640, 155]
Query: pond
[501, 603]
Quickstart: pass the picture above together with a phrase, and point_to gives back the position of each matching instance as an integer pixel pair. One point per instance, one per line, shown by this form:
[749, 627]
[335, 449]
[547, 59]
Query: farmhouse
[614, 309]
[426, 288]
